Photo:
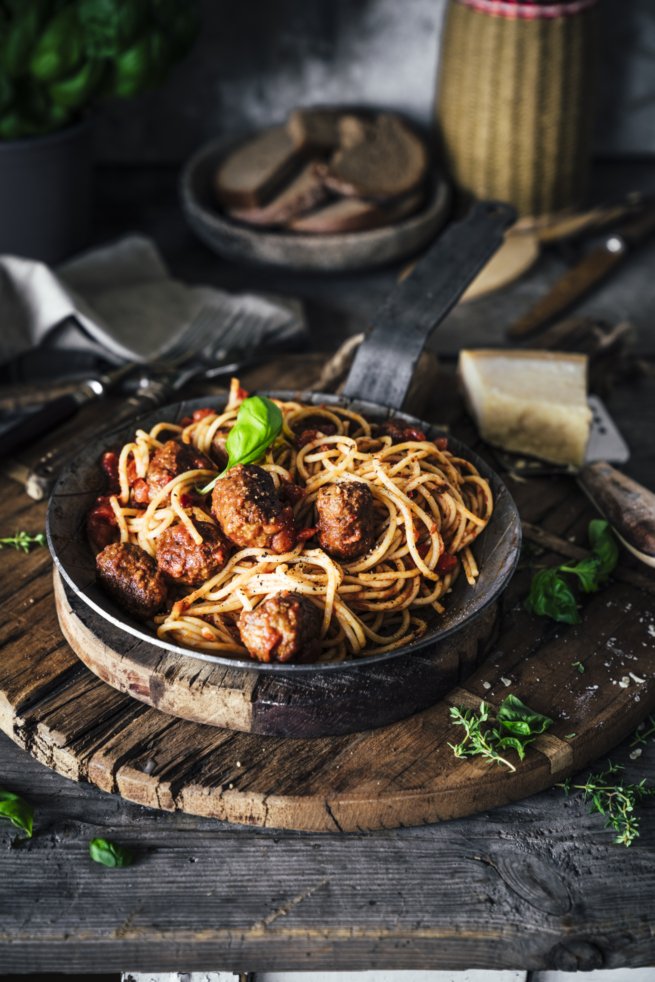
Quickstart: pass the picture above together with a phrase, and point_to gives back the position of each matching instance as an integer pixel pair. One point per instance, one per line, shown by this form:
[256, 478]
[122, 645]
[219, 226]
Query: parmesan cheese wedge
[532, 402]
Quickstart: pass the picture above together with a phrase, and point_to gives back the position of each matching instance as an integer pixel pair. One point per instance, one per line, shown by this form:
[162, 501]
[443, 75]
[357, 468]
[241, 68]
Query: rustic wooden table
[533, 884]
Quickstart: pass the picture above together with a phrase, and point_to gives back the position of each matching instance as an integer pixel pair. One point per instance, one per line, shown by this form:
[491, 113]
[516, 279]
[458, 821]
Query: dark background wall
[256, 59]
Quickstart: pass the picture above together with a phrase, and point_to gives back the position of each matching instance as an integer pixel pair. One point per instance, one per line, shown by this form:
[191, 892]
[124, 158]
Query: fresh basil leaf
[19, 812]
[588, 573]
[604, 545]
[551, 596]
[109, 854]
[513, 743]
[258, 425]
[518, 718]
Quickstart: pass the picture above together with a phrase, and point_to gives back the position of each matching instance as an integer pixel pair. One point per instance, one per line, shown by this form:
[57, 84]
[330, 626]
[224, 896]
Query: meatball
[245, 505]
[179, 557]
[282, 628]
[172, 459]
[131, 577]
[346, 519]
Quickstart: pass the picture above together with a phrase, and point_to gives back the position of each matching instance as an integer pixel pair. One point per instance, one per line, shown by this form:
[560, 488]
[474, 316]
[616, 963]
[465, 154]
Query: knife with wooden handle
[585, 275]
[628, 506]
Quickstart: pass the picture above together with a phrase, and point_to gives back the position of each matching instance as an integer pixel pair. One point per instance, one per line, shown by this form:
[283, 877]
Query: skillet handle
[385, 362]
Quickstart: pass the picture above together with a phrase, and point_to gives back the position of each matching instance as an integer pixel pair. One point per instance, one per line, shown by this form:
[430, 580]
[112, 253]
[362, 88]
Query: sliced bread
[355, 215]
[250, 175]
[380, 160]
[532, 402]
[305, 192]
[315, 130]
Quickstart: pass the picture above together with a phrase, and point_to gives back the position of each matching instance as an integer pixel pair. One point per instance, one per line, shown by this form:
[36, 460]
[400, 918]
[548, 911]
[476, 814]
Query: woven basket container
[515, 100]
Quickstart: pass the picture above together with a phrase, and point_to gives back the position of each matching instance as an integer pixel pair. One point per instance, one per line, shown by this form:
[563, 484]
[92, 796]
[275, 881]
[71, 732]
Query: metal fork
[198, 350]
[195, 352]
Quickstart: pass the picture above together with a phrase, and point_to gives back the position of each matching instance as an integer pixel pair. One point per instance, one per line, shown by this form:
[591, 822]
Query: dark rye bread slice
[356, 215]
[305, 192]
[380, 160]
[250, 175]
[315, 130]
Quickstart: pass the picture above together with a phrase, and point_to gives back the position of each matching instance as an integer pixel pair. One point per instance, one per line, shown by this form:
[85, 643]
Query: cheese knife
[578, 281]
[629, 507]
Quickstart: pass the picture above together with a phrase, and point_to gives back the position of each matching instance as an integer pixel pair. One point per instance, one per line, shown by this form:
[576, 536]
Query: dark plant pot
[45, 194]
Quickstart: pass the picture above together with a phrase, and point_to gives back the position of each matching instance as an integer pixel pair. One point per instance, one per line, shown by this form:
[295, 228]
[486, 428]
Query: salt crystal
[625, 682]
[505, 681]
[635, 753]
[636, 678]
[486, 685]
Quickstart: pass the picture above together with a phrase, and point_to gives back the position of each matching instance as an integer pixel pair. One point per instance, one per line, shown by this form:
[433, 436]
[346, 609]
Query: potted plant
[58, 59]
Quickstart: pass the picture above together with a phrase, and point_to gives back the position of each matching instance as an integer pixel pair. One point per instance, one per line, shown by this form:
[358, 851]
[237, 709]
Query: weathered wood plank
[533, 884]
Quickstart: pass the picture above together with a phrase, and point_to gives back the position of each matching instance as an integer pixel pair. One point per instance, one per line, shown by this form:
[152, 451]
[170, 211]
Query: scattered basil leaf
[19, 812]
[258, 425]
[551, 596]
[587, 572]
[109, 854]
[518, 718]
[604, 545]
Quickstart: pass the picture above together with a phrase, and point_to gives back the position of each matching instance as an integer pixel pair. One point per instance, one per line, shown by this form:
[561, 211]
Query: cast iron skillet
[376, 387]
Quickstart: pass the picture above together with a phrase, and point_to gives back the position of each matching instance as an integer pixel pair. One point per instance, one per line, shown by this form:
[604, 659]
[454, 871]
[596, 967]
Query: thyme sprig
[644, 732]
[23, 541]
[516, 727]
[616, 800]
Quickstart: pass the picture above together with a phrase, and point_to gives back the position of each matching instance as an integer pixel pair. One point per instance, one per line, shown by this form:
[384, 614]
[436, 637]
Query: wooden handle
[39, 422]
[629, 507]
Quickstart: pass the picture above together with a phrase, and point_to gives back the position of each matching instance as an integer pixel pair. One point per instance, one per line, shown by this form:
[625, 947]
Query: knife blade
[581, 279]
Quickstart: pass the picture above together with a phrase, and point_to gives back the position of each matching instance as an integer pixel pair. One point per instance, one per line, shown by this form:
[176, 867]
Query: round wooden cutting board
[401, 774]
[293, 705]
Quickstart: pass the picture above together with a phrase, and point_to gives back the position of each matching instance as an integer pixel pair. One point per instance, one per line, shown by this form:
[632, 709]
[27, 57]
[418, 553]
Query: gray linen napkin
[120, 302]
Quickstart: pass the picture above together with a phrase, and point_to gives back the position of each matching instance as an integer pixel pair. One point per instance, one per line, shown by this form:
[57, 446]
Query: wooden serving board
[401, 774]
[280, 704]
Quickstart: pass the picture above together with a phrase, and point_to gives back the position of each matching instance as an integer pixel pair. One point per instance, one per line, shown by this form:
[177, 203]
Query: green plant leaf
[605, 547]
[20, 34]
[19, 812]
[551, 596]
[110, 26]
[58, 52]
[77, 90]
[109, 854]
[258, 425]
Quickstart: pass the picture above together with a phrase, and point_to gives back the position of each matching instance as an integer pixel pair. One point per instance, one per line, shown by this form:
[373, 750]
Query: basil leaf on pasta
[258, 425]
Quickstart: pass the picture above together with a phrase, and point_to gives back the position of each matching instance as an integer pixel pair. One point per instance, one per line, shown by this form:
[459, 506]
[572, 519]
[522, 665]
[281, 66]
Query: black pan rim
[110, 612]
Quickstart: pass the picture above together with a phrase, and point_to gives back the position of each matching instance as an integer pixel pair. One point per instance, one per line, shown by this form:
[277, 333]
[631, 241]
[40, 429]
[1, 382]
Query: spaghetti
[429, 507]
